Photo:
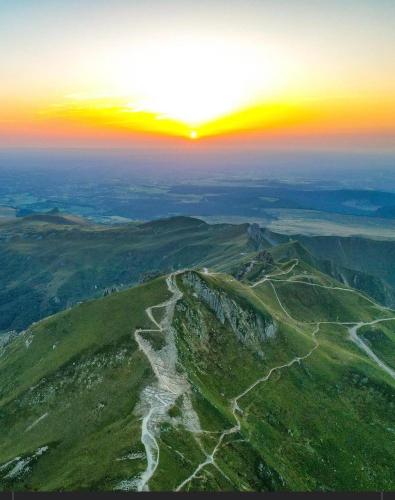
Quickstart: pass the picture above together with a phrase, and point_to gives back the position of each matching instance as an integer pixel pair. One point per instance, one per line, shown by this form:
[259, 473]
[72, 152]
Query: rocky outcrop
[250, 328]
[256, 237]
[245, 269]
[261, 238]
[265, 257]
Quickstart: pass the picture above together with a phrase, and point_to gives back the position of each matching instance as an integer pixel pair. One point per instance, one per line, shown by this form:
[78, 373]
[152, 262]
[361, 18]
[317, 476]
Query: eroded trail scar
[170, 385]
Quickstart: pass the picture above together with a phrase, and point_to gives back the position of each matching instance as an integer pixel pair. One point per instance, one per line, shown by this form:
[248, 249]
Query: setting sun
[180, 86]
[193, 80]
[136, 73]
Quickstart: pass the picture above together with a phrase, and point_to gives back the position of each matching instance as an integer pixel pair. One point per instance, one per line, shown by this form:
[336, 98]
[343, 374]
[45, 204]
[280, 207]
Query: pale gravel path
[362, 345]
[355, 326]
[171, 386]
[281, 273]
[158, 398]
[210, 459]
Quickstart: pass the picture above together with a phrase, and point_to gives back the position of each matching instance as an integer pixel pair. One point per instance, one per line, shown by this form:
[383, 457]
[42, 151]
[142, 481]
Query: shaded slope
[371, 260]
[50, 262]
[362, 263]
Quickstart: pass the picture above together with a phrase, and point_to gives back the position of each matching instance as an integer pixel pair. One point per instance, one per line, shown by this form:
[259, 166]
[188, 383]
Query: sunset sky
[136, 73]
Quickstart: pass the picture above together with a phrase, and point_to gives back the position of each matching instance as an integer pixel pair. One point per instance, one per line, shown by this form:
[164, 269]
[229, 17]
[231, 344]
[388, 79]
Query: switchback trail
[267, 277]
[355, 326]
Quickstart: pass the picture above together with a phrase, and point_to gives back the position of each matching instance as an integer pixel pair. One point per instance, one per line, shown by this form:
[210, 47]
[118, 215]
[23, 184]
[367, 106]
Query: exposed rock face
[265, 257]
[255, 234]
[110, 290]
[6, 338]
[261, 237]
[245, 270]
[250, 328]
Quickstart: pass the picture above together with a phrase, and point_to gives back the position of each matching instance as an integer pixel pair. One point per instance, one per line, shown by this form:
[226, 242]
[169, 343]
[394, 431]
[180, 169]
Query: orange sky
[309, 73]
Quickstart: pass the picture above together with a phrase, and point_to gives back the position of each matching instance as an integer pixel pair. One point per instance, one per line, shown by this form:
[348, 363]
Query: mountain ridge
[204, 366]
[48, 267]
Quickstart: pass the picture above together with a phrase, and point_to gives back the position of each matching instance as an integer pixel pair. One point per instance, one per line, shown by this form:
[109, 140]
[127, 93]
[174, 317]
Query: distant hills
[52, 261]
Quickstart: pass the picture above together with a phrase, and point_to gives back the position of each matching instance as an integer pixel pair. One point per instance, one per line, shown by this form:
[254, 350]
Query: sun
[184, 86]
[193, 80]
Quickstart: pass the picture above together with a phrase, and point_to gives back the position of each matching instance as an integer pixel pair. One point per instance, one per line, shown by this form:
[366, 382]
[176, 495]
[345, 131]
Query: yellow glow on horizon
[194, 80]
[178, 86]
[197, 88]
[310, 116]
[195, 74]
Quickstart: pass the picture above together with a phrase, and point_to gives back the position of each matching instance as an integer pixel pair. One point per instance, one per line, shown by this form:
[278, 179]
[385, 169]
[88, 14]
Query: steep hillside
[364, 263]
[281, 379]
[69, 388]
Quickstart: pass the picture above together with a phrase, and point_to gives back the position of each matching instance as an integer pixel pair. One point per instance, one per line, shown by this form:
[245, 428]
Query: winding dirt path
[362, 345]
[355, 326]
[234, 403]
[158, 398]
[210, 459]
[268, 277]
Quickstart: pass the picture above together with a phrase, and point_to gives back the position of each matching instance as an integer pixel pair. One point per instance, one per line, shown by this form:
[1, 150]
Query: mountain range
[178, 355]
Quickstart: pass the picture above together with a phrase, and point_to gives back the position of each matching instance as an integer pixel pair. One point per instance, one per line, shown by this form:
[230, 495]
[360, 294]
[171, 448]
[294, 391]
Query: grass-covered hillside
[273, 376]
[69, 386]
[364, 263]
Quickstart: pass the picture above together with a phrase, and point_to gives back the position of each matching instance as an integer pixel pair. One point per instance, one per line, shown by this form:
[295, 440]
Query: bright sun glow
[192, 81]
[185, 86]
[135, 72]
[189, 86]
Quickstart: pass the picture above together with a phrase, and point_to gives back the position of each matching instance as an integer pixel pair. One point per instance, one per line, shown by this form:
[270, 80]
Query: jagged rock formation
[249, 327]
[265, 257]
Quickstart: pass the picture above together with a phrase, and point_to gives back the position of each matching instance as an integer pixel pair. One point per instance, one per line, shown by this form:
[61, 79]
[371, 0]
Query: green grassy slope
[323, 423]
[71, 383]
[367, 264]
[356, 265]
[50, 262]
[278, 396]
[314, 412]
[381, 339]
